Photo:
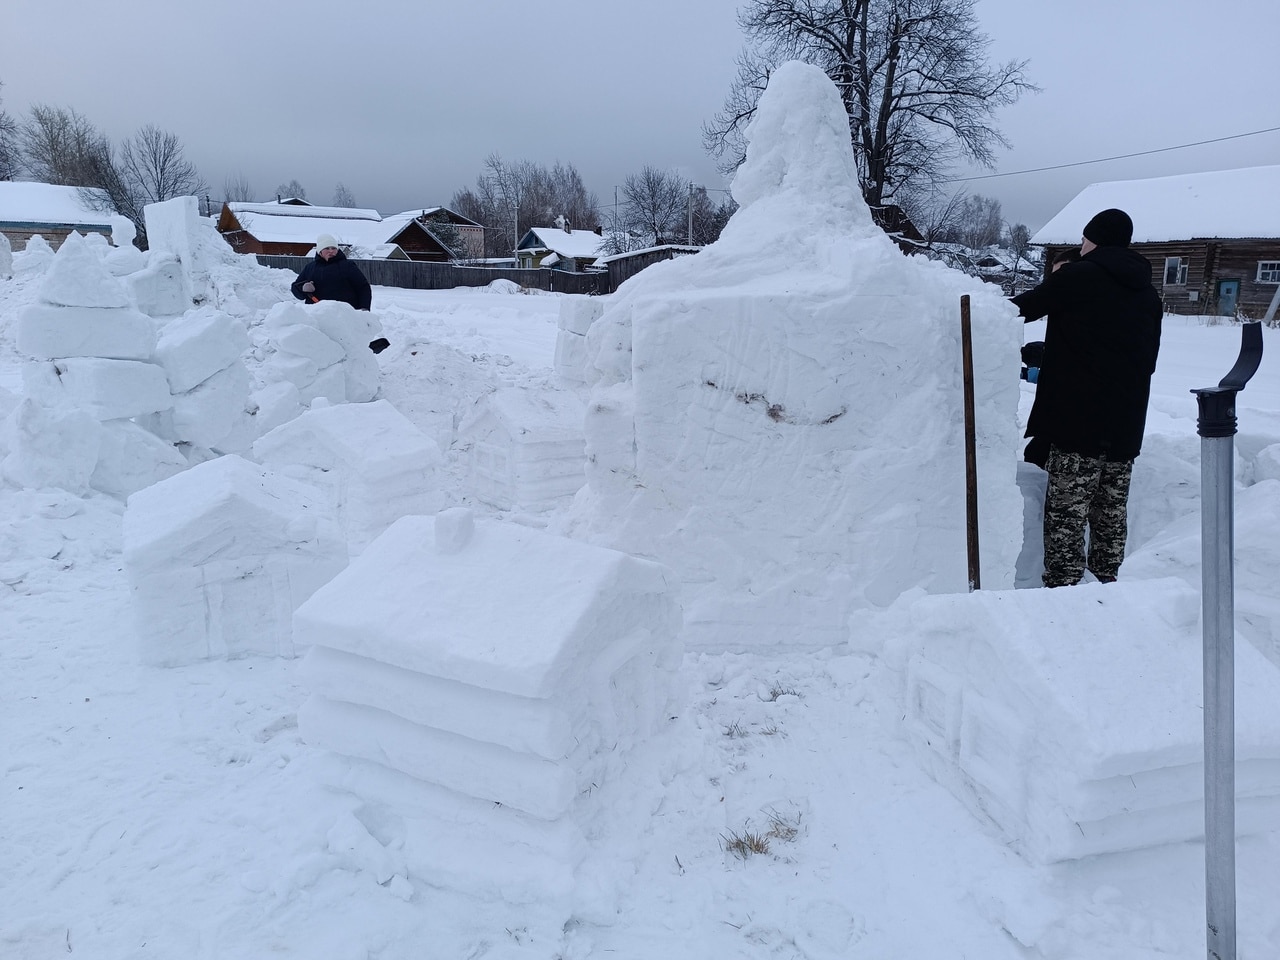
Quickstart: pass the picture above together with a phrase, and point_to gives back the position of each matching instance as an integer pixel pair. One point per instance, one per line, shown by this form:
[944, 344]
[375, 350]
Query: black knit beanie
[1110, 228]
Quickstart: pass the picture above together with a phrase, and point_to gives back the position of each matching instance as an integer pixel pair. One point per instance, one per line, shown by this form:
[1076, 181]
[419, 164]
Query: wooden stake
[970, 447]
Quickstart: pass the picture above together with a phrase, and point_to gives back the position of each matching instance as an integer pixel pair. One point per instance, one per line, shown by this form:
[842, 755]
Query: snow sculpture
[526, 449]
[1076, 727]
[483, 676]
[218, 558]
[323, 350]
[743, 396]
[371, 462]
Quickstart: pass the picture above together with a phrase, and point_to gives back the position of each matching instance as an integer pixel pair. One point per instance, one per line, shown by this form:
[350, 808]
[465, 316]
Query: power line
[1123, 156]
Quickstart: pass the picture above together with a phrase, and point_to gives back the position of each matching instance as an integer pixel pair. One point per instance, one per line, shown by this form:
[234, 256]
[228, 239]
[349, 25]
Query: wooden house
[1213, 238]
[470, 232]
[561, 248]
[290, 228]
[51, 211]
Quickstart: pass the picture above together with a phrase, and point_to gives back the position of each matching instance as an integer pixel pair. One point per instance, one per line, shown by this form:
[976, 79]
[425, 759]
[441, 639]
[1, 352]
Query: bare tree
[291, 189]
[342, 197]
[912, 74]
[61, 146]
[512, 196]
[980, 222]
[154, 169]
[10, 154]
[236, 188]
[655, 203]
[1019, 240]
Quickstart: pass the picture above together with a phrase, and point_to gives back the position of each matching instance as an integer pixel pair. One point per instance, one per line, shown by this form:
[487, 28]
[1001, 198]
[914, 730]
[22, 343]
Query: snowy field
[175, 812]
[684, 665]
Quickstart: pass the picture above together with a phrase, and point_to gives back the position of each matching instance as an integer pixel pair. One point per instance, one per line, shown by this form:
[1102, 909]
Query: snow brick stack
[92, 367]
[175, 228]
[577, 313]
[218, 558]
[200, 353]
[323, 350]
[481, 677]
[744, 397]
[1077, 727]
[527, 449]
[373, 465]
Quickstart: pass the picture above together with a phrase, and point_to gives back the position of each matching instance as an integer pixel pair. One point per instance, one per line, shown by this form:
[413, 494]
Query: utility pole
[691, 213]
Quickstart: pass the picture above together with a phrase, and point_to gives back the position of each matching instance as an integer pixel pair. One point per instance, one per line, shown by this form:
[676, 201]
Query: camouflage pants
[1084, 490]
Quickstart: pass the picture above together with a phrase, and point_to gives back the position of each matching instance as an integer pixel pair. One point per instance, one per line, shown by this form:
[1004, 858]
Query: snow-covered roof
[673, 247]
[453, 214]
[275, 228]
[46, 203]
[1220, 203]
[308, 211]
[567, 243]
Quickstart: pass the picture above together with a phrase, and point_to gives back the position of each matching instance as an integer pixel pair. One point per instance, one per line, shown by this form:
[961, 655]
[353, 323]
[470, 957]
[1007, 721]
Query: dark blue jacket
[1100, 350]
[336, 279]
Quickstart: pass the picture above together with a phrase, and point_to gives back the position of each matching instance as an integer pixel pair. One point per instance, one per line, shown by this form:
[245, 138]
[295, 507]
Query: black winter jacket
[1100, 350]
[336, 279]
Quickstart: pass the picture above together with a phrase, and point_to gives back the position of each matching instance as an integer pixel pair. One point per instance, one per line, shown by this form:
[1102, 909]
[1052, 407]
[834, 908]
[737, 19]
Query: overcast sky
[402, 100]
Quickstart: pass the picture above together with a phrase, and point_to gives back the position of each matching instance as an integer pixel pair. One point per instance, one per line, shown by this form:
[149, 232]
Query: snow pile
[1087, 747]
[577, 313]
[218, 558]
[525, 449]
[372, 464]
[487, 679]
[323, 350]
[779, 417]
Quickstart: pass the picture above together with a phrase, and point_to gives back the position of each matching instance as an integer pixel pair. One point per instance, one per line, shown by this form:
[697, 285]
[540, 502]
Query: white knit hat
[326, 240]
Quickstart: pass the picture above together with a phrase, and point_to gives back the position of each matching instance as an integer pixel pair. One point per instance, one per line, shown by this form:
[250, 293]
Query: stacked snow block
[323, 350]
[577, 313]
[92, 353]
[373, 465]
[526, 449]
[200, 353]
[218, 558]
[481, 677]
[6, 258]
[1077, 727]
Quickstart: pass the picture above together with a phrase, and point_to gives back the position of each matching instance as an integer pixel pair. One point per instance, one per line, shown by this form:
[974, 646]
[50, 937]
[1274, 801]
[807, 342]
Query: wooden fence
[416, 275]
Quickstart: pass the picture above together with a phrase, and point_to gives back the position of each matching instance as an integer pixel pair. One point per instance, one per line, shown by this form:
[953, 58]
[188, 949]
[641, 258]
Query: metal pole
[1217, 426]
[970, 451]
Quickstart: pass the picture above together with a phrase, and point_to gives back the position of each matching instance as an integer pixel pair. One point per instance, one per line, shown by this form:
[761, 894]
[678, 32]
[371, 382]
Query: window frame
[1271, 267]
[1181, 271]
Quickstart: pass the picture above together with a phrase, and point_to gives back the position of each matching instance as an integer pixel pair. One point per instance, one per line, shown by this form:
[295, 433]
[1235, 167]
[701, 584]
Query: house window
[1175, 271]
[1269, 271]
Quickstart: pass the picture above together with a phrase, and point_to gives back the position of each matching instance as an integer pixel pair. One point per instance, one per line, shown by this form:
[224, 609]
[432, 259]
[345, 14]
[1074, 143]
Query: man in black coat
[331, 276]
[1091, 398]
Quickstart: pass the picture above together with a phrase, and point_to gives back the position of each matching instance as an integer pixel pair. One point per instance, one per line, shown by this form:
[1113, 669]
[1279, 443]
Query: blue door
[1228, 294]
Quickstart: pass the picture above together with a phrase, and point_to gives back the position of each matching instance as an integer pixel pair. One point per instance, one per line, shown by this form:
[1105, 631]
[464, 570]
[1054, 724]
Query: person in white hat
[331, 276]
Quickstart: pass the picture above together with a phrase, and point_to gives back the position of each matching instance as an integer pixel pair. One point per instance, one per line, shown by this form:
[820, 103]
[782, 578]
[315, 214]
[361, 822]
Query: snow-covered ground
[176, 812]
[894, 767]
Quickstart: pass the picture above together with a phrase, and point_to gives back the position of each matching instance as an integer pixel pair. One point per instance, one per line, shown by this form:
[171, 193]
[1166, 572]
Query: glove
[1033, 374]
[308, 287]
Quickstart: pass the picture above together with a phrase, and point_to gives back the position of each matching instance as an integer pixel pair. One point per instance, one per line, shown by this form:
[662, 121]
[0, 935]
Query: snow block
[219, 556]
[303, 340]
[577, 313]
[6, 258]
[571, 356]
[526, 451]
[158, 289]
[48, 332]
[51, 447]
[206, 415]
[106, 389]
[174, 227]
[194, 347]
[515, 664]
[373, 464]
[1076, 727]
[77, 277]
[131, 458]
